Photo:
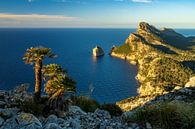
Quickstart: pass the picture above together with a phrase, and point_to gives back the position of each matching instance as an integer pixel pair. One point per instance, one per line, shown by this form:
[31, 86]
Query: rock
[10, 124]
[22, 121]
[134, 125]
[75, 123]
[98, 51]
[76, 110]
[177, 87]
[191, 82]
[52, 119]
[2, 104]
[148, 125]
[21, 89]
[1, 121]
[52, 126]
[60, 121]
[32, 126]
[102, 113]
[9, 112]
[26, 119]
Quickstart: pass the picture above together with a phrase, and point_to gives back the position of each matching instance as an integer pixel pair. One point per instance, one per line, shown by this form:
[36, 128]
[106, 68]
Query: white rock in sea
[98, 51]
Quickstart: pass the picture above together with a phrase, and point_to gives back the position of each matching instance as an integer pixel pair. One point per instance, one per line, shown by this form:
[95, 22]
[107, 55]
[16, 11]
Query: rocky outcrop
[183, 94]
[98, 51]
[73, 118]
[160, 61]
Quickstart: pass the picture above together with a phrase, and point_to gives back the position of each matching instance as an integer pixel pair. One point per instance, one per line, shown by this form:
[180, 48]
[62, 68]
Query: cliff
[165, 59]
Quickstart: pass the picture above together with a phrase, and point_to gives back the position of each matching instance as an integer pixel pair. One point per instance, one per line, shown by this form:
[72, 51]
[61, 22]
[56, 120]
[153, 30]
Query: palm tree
[57, 83]
[36, 55]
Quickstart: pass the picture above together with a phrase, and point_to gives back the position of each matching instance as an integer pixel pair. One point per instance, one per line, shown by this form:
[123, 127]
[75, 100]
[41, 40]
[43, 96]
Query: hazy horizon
[96, 13]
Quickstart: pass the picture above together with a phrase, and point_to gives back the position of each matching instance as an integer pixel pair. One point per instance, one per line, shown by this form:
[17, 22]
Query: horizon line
[87, 28]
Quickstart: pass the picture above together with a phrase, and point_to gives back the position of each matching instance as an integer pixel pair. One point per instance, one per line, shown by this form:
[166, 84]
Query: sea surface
[106, 79]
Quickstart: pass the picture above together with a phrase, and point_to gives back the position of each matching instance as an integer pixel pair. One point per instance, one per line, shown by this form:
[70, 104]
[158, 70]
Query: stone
[102, 113]
[98, 51]
[75, 123]
[191, 82]
[52, 119]
[60, 121]
[21, 89]
[2, 104]
[148, 125]
[26, 119]
[52, 126]
[1, 121]
[76, 110]
[10, 124]
[9, 112]
[134, 125]
[33, 126]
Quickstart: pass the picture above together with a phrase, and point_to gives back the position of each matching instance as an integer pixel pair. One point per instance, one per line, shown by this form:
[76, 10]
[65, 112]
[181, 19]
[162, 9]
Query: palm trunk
[38, 81]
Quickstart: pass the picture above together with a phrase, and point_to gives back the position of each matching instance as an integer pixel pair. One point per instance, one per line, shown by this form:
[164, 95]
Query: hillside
[165, 60]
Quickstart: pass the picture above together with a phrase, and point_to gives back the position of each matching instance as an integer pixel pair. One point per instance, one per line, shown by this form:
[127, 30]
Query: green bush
[169, 115]
[85, 103]
[113, 109]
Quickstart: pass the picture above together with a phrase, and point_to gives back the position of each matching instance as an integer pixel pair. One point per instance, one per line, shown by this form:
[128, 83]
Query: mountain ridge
[161, 65]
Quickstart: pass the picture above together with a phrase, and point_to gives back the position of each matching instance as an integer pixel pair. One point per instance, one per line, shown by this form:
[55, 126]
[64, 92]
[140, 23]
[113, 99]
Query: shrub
[85, 103]
[113, 109]
[168, 115]
[33, 107]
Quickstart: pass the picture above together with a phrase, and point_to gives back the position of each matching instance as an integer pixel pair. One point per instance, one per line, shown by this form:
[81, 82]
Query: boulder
[76, 110]
[76, 123]
[98, 51]
[52, 126]
[52, 119]
[1, 121]
[26, 119]
[102, 113]
[9, 112]
[2, 104]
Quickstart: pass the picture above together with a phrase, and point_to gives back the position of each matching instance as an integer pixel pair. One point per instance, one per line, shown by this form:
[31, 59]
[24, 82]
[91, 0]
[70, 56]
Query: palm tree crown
[58, 81]
[35, 55]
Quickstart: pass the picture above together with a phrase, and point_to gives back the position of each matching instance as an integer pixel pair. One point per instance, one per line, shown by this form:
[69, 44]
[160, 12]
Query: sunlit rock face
[159, 54]
[191, 82]
[98, 51]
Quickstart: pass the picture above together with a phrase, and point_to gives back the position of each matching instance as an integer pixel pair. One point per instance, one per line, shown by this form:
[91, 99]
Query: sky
[96, 13]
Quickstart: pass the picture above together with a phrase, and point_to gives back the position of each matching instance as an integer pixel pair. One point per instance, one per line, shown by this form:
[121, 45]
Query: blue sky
[97, 13]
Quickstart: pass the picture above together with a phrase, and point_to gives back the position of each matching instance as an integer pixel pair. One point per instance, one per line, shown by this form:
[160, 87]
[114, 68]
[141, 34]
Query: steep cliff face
[160, 62]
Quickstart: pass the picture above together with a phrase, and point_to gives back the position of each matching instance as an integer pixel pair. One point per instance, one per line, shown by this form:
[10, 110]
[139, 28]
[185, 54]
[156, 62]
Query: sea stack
[98, 51]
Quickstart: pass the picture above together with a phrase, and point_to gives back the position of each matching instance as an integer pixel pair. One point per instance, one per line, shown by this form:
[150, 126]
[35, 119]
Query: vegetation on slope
[161, 66]
[166, 115]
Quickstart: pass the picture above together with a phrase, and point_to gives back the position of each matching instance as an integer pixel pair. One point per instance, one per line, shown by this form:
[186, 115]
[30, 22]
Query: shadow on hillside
[190, 64]
[163, 49]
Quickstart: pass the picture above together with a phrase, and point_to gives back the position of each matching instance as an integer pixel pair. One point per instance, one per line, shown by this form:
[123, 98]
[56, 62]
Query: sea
[105, 79]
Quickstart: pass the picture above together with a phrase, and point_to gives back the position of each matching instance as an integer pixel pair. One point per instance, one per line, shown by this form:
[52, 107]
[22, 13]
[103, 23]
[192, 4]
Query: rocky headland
[165, 61]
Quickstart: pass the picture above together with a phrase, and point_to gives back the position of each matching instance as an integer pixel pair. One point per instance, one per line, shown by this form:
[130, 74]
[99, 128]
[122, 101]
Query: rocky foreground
[12, 117]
